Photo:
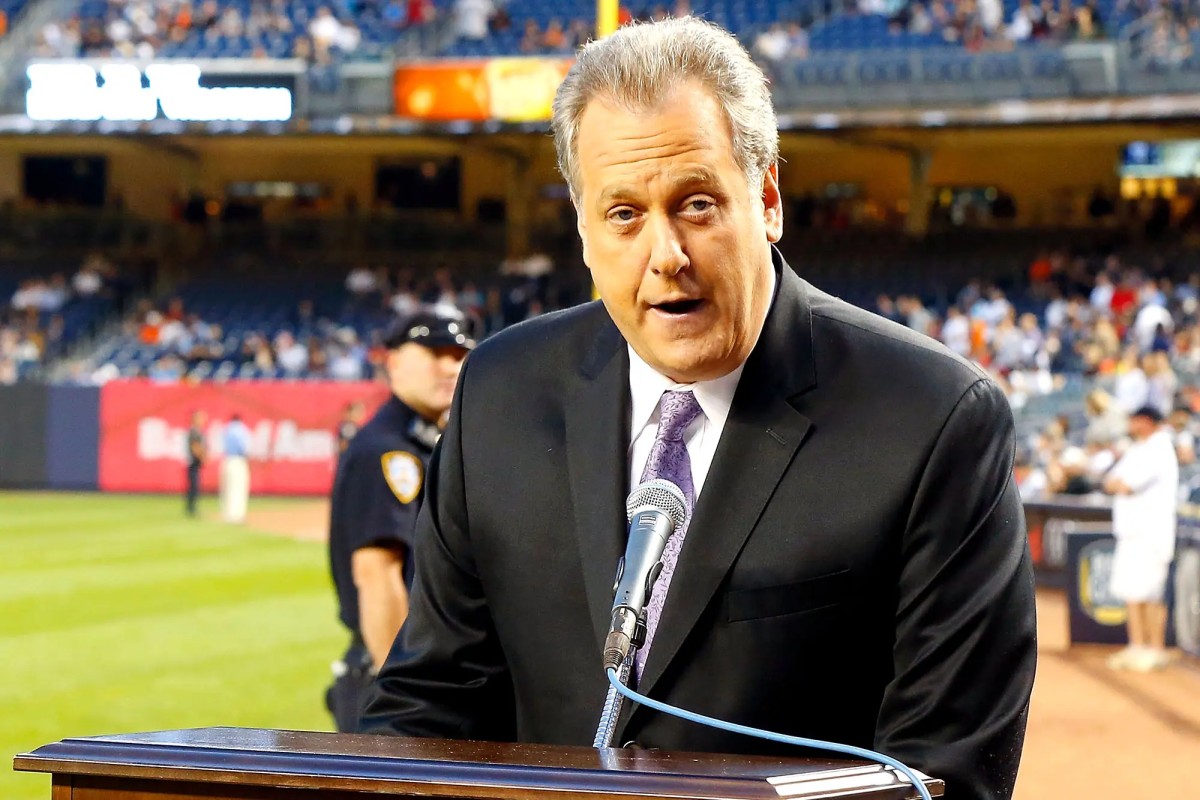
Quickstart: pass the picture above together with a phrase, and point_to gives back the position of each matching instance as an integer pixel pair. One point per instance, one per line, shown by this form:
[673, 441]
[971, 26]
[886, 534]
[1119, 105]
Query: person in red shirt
[1124, 298]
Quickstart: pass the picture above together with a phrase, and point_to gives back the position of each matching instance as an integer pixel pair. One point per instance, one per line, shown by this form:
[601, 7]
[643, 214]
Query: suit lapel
[759, 441]
[597, 430]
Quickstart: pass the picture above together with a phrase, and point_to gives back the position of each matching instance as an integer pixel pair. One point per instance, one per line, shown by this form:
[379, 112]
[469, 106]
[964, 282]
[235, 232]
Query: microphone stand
[628, 635]
[614, 702]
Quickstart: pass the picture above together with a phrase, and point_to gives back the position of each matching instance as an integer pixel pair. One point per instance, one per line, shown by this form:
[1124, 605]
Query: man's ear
[772, 204]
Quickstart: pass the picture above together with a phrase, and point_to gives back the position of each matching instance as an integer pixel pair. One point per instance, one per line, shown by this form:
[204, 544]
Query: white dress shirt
[646, 387]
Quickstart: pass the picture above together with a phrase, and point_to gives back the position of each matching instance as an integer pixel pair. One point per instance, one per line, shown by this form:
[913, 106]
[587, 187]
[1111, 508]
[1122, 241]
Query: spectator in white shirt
[1021, 27]
[919, 21]
[991, 14]
[361, 281]
[471, 18]
[1161, 382]
[27, 295]
[87, 282]
[348, 38]
[1131, 387]
[772, 44]
[1145, 484]
[324, 29]
[956, 332]
[291, 355]
[55, 293]
[1145, 324]
[344, 365]
[1102, 293]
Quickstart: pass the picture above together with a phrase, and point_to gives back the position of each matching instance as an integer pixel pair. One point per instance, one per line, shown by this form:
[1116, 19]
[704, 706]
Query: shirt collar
[646, 387]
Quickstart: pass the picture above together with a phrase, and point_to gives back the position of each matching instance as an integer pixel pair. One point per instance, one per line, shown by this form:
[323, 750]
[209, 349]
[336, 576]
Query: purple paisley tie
[669, 460]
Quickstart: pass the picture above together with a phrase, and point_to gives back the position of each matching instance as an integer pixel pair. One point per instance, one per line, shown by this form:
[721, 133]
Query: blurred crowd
[141, 28]
[1075, 321]
[981, 25]
[523, 289]
[476, 20]
[338, 342]
[1170, 30]
[1131, 336]
[1063, 458]
[33, 329]
[306, 346]
[781, 42]
[277, 28]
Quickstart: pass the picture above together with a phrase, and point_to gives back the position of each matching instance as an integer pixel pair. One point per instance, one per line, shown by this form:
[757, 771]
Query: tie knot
[677, 411]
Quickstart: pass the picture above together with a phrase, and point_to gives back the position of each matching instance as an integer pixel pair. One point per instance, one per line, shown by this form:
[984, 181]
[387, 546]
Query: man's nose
[667, 257]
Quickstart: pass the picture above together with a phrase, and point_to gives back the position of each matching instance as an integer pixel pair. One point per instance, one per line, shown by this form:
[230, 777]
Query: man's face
[1141, 428]
[424, 377]
[677, 241]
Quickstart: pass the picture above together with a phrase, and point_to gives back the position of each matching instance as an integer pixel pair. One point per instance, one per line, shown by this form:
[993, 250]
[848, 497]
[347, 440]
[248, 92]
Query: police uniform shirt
[376, 494]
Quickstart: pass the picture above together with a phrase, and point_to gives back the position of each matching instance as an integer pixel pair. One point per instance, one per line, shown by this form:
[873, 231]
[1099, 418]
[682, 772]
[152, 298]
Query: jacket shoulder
[889, 346]
[527, 348]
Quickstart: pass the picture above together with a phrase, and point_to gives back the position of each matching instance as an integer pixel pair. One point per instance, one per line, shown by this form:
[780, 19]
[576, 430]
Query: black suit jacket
[856, 568]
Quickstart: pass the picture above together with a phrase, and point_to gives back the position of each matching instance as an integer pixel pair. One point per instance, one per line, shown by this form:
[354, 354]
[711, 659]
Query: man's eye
[699, 205]
[621, 214]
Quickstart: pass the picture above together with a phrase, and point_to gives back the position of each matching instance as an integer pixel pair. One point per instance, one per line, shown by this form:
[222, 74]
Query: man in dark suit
[853, 567]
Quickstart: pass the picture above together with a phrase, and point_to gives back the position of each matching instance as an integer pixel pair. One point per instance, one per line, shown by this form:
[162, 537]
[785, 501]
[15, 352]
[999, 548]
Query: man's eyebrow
[618, 192]
[695, 175]
[687, 178]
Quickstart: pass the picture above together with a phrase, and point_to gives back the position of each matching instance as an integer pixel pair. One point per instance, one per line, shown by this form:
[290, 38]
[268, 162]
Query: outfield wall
[130, 435]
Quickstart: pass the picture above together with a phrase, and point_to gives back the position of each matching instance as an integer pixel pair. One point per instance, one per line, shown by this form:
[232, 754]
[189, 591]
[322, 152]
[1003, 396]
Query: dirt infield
[1099, 734]
[1093, 734]
[303, 519]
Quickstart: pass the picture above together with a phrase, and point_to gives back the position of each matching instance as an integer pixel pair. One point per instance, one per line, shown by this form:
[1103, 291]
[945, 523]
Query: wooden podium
[249, 764]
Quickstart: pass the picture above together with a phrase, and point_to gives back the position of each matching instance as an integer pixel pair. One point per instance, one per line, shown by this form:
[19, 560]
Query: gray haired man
[852, 565]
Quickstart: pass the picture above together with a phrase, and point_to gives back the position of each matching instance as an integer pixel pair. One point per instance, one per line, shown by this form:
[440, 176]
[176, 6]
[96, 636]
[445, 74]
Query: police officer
[197, 451]
[376, 494]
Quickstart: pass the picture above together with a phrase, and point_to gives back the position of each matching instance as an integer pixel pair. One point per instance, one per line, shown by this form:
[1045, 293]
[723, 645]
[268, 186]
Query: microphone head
[660, 494]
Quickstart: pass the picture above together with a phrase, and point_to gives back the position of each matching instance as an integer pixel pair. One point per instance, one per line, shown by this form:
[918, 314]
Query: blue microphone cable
[800, 741]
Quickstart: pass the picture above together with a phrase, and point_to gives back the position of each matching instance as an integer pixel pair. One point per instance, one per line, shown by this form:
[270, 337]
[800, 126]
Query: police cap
[431, 329]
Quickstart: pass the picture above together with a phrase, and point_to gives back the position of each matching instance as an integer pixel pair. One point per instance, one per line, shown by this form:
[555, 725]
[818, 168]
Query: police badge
[403, 473]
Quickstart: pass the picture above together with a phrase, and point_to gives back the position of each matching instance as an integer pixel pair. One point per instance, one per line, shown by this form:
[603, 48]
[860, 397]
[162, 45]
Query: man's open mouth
[679, 306]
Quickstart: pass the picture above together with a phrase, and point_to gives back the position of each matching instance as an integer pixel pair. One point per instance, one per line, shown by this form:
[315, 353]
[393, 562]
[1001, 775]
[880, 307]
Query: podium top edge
[325, 760]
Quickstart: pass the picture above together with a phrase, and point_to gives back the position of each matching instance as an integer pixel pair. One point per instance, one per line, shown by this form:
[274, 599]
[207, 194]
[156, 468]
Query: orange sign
[503, 89]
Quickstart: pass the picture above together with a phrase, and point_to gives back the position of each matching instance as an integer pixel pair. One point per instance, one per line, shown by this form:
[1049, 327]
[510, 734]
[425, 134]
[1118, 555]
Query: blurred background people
[234, 491]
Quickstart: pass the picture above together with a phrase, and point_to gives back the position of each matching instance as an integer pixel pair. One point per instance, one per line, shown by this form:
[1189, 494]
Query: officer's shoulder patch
[403, 473]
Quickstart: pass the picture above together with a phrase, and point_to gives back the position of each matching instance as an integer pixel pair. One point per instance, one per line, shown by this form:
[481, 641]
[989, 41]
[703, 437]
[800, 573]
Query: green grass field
[118, 614]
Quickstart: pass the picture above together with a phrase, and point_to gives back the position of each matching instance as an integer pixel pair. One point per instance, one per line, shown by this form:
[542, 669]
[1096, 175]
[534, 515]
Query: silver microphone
[655, 509]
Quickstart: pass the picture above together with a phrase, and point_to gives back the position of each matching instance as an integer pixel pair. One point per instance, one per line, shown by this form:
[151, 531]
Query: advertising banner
[293, 432]
[502, 89]
[1095, 615]
[182, 92]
